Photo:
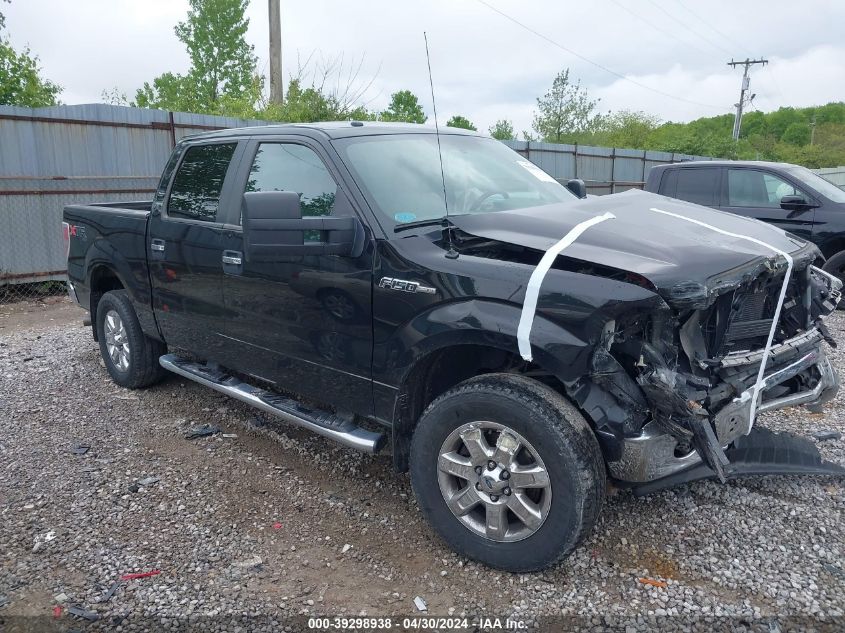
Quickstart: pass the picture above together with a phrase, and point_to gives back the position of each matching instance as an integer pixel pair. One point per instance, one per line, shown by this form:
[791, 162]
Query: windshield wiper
[422, 223]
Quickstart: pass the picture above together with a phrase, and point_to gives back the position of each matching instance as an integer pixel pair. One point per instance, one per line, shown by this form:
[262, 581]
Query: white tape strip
[775, 320]
[532, 292]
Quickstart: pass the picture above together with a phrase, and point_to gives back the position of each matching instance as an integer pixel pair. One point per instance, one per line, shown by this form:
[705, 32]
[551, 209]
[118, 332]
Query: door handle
[233, 258]
[157, 245]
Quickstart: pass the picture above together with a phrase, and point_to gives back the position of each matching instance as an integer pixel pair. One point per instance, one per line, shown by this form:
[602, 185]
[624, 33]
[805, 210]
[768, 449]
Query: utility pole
[746, 80]
[276, 89]
[813, 129]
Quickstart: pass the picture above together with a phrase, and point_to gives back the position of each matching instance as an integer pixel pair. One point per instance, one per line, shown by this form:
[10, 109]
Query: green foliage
[21, 83]
[502, 130]
[309, 104]
[461, 122]
[223, 65]
[626, 128]
[404, 106]
[784, 135]
[565, 111]
[796, 134]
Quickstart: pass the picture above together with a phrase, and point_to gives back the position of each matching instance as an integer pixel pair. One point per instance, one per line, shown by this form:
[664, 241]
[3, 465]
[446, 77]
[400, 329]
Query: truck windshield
[400, 175]
[824, 187]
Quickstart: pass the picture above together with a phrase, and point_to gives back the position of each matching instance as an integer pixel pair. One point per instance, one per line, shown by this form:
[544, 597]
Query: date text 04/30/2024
[423, 623]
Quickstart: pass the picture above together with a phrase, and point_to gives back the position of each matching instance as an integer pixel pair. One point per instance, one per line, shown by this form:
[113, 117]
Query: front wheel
[508, 472]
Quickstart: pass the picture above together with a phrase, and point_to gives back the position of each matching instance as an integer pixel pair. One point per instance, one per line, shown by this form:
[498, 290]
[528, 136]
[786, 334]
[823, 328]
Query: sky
[665, 57]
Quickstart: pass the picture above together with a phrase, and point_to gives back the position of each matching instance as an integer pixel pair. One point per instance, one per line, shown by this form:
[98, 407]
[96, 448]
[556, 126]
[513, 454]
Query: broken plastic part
[761, 452]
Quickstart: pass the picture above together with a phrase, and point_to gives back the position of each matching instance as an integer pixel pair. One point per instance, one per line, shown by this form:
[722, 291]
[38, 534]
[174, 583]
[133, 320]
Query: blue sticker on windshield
[405, 217]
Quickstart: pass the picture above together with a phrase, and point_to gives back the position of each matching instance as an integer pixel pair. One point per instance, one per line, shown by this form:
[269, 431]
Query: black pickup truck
[515, 345]
[788, 196]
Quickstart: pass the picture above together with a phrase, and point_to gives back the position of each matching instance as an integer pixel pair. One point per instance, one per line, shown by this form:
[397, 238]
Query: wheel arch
[470, 339]
[102, 279]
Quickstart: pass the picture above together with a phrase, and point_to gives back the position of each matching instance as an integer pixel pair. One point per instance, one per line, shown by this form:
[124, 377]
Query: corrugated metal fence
[605, 170]
[51, 157]
[836, 175]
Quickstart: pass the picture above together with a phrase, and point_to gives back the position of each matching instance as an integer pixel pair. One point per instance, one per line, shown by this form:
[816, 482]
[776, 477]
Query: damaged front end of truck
[688, 374]
[670, 391]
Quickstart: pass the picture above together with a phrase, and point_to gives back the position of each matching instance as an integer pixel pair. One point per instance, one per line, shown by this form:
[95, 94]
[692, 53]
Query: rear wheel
[507, 472]
[130, 356]
[835, 265]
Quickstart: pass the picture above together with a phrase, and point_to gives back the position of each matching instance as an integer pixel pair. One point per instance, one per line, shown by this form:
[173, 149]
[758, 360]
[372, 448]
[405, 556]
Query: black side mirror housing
[794, 203]
[577, 186]
[274, 229]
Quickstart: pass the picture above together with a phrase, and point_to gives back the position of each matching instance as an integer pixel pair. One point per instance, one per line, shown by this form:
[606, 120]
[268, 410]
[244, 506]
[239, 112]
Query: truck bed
[112, 236]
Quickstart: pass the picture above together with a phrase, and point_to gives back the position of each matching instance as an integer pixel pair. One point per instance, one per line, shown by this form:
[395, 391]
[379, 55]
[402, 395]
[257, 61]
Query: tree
[564, 111]
[461, 122]
[502, 130]
[628, 129]
[796, 134]
[21, 83]
[114, 97]
[404, 106]
[321, 90]
[223, 64]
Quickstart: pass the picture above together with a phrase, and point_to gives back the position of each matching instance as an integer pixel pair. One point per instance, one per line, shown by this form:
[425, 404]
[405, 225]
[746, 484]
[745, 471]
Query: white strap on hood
[532, 292]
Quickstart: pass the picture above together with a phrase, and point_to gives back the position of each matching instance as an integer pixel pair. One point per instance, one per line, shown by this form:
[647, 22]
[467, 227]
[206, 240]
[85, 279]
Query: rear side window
[669, 183]
[195, 193]
[699, 185]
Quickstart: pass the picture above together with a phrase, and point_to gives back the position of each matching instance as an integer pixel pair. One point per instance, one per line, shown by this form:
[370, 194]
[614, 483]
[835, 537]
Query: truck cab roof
[336, 129]
[723, 163]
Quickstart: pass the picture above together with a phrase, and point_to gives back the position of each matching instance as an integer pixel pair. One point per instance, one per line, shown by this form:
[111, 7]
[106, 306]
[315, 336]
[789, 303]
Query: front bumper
[651, 455]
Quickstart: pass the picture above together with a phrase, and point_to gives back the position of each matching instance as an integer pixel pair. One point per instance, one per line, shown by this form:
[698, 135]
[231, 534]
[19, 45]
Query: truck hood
[687, 263]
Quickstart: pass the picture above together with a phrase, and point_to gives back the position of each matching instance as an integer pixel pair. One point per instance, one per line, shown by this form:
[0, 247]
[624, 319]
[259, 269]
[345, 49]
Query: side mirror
[577, 186]
[794, 203]
[274, 229]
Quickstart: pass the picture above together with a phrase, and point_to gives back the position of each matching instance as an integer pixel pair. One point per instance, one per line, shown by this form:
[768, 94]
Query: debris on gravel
[765, 551]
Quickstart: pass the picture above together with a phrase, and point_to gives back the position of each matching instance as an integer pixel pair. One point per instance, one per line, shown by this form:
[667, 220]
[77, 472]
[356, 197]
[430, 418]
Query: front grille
[741, 320]
[740, 331]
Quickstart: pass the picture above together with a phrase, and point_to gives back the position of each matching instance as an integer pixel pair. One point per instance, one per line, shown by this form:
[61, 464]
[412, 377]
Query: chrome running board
[324, 423]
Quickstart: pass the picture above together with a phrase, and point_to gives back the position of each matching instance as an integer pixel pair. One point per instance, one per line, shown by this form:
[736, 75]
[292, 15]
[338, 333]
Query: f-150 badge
[405, 286]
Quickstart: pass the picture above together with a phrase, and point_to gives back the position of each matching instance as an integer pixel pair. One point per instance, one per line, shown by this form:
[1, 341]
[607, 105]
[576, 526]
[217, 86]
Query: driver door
[303, 322]
[757, 193]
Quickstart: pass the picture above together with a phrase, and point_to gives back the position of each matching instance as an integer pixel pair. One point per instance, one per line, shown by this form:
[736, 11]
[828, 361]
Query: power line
[687, 27]
[596, 64]
[730, 40]
[652, 25]
[734, 42]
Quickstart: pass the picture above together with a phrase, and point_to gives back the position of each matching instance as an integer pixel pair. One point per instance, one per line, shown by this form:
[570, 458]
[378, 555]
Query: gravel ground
[254, 532]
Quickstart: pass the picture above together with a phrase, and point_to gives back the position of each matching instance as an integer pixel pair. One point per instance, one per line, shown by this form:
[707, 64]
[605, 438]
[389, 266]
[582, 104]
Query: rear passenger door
[185, 246]
[699, 185]
[757, 193]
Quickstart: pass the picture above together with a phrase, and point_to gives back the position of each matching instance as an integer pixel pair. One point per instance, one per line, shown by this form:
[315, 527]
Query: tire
[547, 427]
[836, 267]
[135, 362]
